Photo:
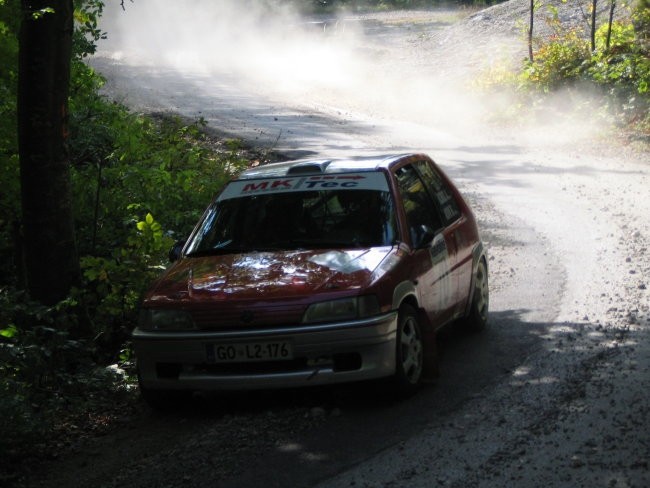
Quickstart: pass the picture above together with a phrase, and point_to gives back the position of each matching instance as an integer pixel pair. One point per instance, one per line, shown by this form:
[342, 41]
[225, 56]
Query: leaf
[40, 13]
[9, 332]
[149, 219]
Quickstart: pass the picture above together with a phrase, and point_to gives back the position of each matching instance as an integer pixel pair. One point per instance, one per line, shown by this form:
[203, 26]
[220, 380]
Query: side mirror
[422, 236]
[175, 251]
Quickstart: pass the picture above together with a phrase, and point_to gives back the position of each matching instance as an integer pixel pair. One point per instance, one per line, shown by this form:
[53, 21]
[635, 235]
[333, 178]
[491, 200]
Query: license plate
[250, 351]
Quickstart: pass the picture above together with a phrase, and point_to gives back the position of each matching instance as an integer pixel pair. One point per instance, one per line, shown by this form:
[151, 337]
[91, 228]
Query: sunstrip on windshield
[345, 181]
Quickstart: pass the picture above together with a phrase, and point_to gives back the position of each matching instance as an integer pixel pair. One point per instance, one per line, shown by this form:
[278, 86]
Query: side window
[441, 193]
[420, 209]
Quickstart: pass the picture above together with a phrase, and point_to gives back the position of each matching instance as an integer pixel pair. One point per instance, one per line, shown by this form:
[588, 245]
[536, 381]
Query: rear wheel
[409, 354]
[477, 318]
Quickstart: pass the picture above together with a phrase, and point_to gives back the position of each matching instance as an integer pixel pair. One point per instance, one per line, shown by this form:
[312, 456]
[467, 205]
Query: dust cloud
[394, 70]
[226, 36]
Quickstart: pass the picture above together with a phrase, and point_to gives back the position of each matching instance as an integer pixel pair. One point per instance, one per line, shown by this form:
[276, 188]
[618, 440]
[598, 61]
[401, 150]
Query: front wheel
[409, 352]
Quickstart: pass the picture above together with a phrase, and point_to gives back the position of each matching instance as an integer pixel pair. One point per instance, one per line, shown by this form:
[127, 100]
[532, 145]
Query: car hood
[267, 275]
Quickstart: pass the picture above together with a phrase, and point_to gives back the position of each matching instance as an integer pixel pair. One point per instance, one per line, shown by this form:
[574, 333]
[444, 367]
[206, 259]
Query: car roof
[325, 166]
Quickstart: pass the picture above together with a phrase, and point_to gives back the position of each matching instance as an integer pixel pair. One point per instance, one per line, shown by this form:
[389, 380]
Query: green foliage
[42, 369]
[10, 193]
[40, 351]
[9, 332]
[115, 283]
[125, 161]
[557, 62]
[625, 68]
[128, 168]
[44, 373]
[618, 74]
[641, 20]
[87, 32]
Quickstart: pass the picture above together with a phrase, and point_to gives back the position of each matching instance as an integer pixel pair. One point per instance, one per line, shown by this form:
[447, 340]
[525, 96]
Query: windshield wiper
[219, 248]
[212, 252]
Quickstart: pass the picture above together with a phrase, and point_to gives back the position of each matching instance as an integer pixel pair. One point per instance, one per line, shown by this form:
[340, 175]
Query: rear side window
[439, 190]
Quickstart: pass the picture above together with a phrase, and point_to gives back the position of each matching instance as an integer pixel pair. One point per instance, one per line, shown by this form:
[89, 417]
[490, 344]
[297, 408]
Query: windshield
[287, 220]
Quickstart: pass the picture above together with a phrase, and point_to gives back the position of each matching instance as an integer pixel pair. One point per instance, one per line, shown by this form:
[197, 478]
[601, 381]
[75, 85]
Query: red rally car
[315, 272]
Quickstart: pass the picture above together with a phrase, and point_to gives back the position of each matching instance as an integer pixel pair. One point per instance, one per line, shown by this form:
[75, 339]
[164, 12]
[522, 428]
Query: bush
[624, 71]
[616, 76]
[45, 374]
[558, 62]
[140, 184]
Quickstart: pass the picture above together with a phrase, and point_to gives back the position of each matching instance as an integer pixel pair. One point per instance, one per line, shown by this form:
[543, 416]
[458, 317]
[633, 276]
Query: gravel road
[555, 393]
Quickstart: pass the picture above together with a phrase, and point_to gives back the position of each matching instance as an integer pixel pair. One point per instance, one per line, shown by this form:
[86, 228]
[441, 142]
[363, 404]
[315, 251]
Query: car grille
[246, 316]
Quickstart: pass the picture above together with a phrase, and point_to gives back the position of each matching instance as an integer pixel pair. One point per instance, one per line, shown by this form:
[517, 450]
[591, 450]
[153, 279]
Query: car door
[433, 261]
[454, 222]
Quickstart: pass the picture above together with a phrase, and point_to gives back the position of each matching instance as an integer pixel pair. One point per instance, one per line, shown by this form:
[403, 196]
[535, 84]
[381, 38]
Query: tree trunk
[530, 30]
[594, 5]
[51, 260]
[612, 7]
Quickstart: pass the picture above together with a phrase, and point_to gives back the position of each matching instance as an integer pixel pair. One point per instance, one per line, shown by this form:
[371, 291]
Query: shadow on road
[296, 437]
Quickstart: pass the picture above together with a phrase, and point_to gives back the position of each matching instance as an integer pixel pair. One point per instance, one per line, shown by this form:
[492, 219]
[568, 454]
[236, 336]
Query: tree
[612, 7]
[530, 30]
[594, 6]
[45, 48]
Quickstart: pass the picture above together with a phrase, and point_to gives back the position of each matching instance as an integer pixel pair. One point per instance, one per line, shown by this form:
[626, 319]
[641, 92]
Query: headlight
[342, 309]
[152, 319]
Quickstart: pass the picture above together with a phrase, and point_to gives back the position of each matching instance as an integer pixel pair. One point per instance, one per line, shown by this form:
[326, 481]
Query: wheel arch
[406, 294]
[479, 253]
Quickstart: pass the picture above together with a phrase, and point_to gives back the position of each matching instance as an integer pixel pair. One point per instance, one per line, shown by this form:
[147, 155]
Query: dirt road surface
[556, 392]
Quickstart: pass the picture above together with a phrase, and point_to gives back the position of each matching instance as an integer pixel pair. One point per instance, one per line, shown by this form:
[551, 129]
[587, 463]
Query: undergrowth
[611, 83]
[140, 183]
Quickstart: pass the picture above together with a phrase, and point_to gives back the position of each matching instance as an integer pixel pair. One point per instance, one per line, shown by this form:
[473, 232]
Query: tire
[409, 352]
[477, 318]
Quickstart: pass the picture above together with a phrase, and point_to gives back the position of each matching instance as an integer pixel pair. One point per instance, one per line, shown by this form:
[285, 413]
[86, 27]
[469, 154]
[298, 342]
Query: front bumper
[323, 354]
